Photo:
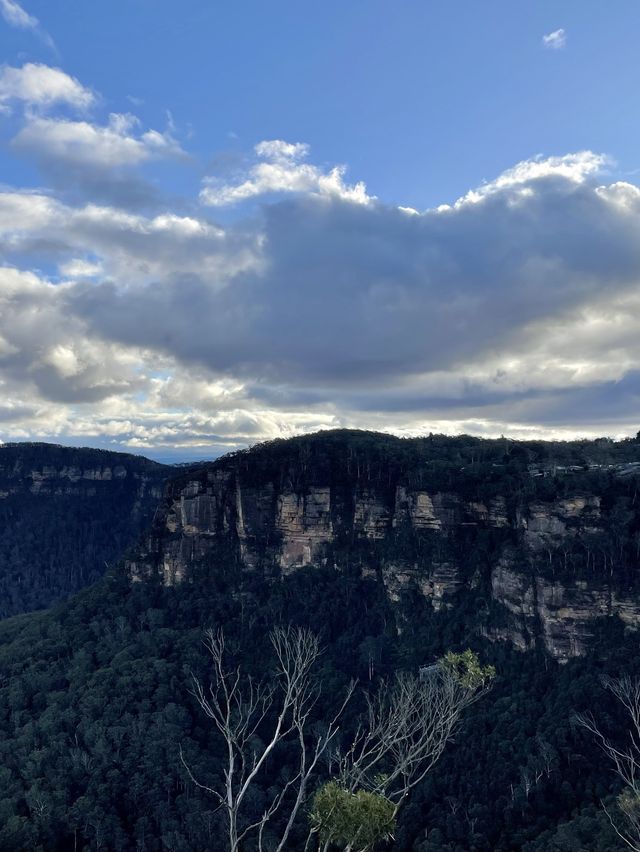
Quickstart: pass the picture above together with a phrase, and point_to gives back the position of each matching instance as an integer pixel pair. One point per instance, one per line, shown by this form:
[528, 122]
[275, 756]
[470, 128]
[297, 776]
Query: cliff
[431, 540]
[65, 514]
[545, 557]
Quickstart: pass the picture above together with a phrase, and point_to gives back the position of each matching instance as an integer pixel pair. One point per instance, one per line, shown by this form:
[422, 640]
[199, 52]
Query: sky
[222, 223]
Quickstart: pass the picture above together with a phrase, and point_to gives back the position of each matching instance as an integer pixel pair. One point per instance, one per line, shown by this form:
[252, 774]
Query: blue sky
[204, 275]
[421, 99]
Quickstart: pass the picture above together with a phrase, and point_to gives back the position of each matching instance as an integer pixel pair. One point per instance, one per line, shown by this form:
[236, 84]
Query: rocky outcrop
[23, 468]
[439, 583]
[287, 529]
[548, 523]
[303, 521]
[562, 616]
[291, 529]
[404, 527]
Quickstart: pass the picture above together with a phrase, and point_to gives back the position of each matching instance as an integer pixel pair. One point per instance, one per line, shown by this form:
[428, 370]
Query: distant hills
[65, 515]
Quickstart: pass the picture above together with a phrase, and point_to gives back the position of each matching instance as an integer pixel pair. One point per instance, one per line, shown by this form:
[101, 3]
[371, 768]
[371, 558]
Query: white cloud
[575, 168]
[129, 248]
[64, 359]
[280, 170]
[49, 355]
[515, 310]
[419, 301]
[80, 268]
[555, 40]
[16, 16]
[80, 143]
[26, 212]
[83, 158]
[88, 160]
[280, 151]
[41, 86]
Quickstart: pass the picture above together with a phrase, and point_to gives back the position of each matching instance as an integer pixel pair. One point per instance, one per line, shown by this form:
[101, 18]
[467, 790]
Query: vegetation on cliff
[66, 514]
[95, 707]
[95, 702]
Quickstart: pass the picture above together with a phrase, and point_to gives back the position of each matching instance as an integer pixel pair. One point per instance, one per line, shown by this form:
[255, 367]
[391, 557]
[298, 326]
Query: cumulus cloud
[125, 247]
[81, 157]
[84, 158]
[574, 168]
[555, 40]
[95, 160]
[42, 86]
[280, 169]
[49, 354]
[116, 144]
[514, 309]
[395, 294]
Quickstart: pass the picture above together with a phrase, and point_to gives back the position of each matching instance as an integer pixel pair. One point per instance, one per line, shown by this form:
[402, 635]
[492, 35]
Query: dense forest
[95, 704]
[96, 694]
[65, 515]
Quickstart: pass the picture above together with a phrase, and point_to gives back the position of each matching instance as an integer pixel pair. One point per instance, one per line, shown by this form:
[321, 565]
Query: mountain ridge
[439, 516]
[95, 693]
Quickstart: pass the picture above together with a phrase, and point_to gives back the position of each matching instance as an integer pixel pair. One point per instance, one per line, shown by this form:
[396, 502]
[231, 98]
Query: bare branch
[409, 723]
[625, 759]
[240, 709]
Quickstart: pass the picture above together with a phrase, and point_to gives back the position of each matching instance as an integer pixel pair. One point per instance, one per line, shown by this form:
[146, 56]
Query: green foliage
[60, 526]
[94, 700]
[357, 820]
[629, 803]
[465, 667]
[94, 706]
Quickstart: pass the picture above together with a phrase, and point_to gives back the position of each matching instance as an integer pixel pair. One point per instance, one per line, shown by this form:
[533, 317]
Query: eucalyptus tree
[253, 719]
[405, 727]
[624, 757]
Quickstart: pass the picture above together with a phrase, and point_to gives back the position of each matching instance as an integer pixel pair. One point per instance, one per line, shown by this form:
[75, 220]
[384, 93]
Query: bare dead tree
[403, 732]
[625, 758]
[454, 804]
[547, 755]
[240, 707]
[406, 728]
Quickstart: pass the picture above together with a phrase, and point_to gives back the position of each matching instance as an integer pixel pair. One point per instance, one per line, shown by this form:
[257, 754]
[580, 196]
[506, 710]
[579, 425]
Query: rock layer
[403, 526]
[65, 514]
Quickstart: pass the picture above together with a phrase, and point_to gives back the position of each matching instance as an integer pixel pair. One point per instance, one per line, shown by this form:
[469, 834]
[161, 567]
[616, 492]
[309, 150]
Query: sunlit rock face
[547, 523]
[541, 565]
[303, 521]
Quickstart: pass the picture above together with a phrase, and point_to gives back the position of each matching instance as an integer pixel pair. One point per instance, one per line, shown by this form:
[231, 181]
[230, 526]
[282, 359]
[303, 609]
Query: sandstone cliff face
[412, 537]
[548, 523]
[562, 616]
[18, 475]
[290, 529]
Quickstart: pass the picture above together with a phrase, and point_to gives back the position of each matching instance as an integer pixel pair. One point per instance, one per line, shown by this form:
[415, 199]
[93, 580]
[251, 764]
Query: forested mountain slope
[95, 705]
[335, 532]
[65, 514]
